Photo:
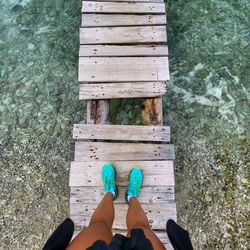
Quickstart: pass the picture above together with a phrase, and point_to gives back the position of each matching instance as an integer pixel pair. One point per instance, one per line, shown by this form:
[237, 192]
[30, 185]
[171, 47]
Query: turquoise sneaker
[135, 183]
[108, 178]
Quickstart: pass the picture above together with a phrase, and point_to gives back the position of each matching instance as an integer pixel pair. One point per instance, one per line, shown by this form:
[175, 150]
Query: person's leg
[136, 218]
[105, 211]
[100, 226]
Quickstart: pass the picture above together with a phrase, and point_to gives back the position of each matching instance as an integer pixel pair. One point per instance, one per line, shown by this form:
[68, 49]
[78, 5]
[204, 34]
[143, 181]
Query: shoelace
[108, 183]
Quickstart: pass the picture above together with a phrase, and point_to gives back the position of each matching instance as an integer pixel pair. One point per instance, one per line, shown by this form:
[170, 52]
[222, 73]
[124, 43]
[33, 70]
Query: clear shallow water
[207, 107]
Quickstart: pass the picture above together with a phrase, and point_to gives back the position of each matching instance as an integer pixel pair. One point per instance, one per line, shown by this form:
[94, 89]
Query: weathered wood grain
[149, 1]
[90, 173]
[152, 113]
[151, 167]
[156, 213]
[98, 111]
[123, 69]
[121, 56]
[121, 90]
[123, 35]
[122, 7]
[122, 132]
[102, 20]
[148, 195]
[104, 151]
[123, 50]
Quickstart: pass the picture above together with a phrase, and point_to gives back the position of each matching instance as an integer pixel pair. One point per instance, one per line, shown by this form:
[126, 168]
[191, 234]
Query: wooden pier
[123, 54]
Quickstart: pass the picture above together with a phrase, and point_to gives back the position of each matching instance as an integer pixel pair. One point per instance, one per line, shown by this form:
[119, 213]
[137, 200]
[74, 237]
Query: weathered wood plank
[104, 151]
[90, 173]
[98, 111]
[122, 7]
[123, 69]
[121, 132]
[148, 195]
[152, 113]
[83, 178]
[123, 50]
[123, 35]
[146, 1]
[121, 90]
[157, 214]
[102, 20]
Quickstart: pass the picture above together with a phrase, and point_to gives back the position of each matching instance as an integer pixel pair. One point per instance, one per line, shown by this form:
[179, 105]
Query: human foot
[108, 178]
[134, 185]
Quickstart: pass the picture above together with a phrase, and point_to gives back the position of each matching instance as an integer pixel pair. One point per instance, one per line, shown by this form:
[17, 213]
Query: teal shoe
[108, 178]
[135, 183]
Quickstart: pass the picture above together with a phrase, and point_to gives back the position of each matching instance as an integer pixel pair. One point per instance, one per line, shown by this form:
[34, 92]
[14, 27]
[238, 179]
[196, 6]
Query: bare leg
[100, 226]
[136, 218]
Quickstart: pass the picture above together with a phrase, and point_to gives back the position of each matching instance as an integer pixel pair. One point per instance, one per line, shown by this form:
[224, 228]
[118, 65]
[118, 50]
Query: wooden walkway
[123, 54]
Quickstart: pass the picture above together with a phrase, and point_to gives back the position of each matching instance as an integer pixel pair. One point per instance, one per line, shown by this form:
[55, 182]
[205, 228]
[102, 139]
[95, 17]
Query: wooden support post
[152, 113]
[98, 112]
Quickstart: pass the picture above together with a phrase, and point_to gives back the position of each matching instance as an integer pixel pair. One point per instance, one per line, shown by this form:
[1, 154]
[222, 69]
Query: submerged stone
[17, 8]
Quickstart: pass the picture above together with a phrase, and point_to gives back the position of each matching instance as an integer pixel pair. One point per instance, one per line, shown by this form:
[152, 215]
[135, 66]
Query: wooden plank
[122, 7]
[146, 1]
[121, 90]
[104, 151]
[121, 132]
[123, 35]
[148, 195]
[98, 112]
[80, 177]
[90, 173]
[102, 20]
[123, 69]
[123, 50]
[152, 113]
[157, 214]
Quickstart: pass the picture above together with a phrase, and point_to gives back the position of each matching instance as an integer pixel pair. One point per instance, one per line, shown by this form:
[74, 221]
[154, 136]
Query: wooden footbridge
[123, 54]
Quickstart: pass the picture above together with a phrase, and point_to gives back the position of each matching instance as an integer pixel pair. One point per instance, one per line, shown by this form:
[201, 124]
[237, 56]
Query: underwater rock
[17, 8]
[208, 198]
[24, 125]
[31, 46]
[245, 181]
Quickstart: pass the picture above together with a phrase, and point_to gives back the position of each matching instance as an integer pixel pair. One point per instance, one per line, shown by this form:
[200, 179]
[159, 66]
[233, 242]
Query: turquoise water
[206, 105]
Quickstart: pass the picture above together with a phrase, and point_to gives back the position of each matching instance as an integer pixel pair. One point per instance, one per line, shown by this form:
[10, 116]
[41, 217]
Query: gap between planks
[121, 132]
